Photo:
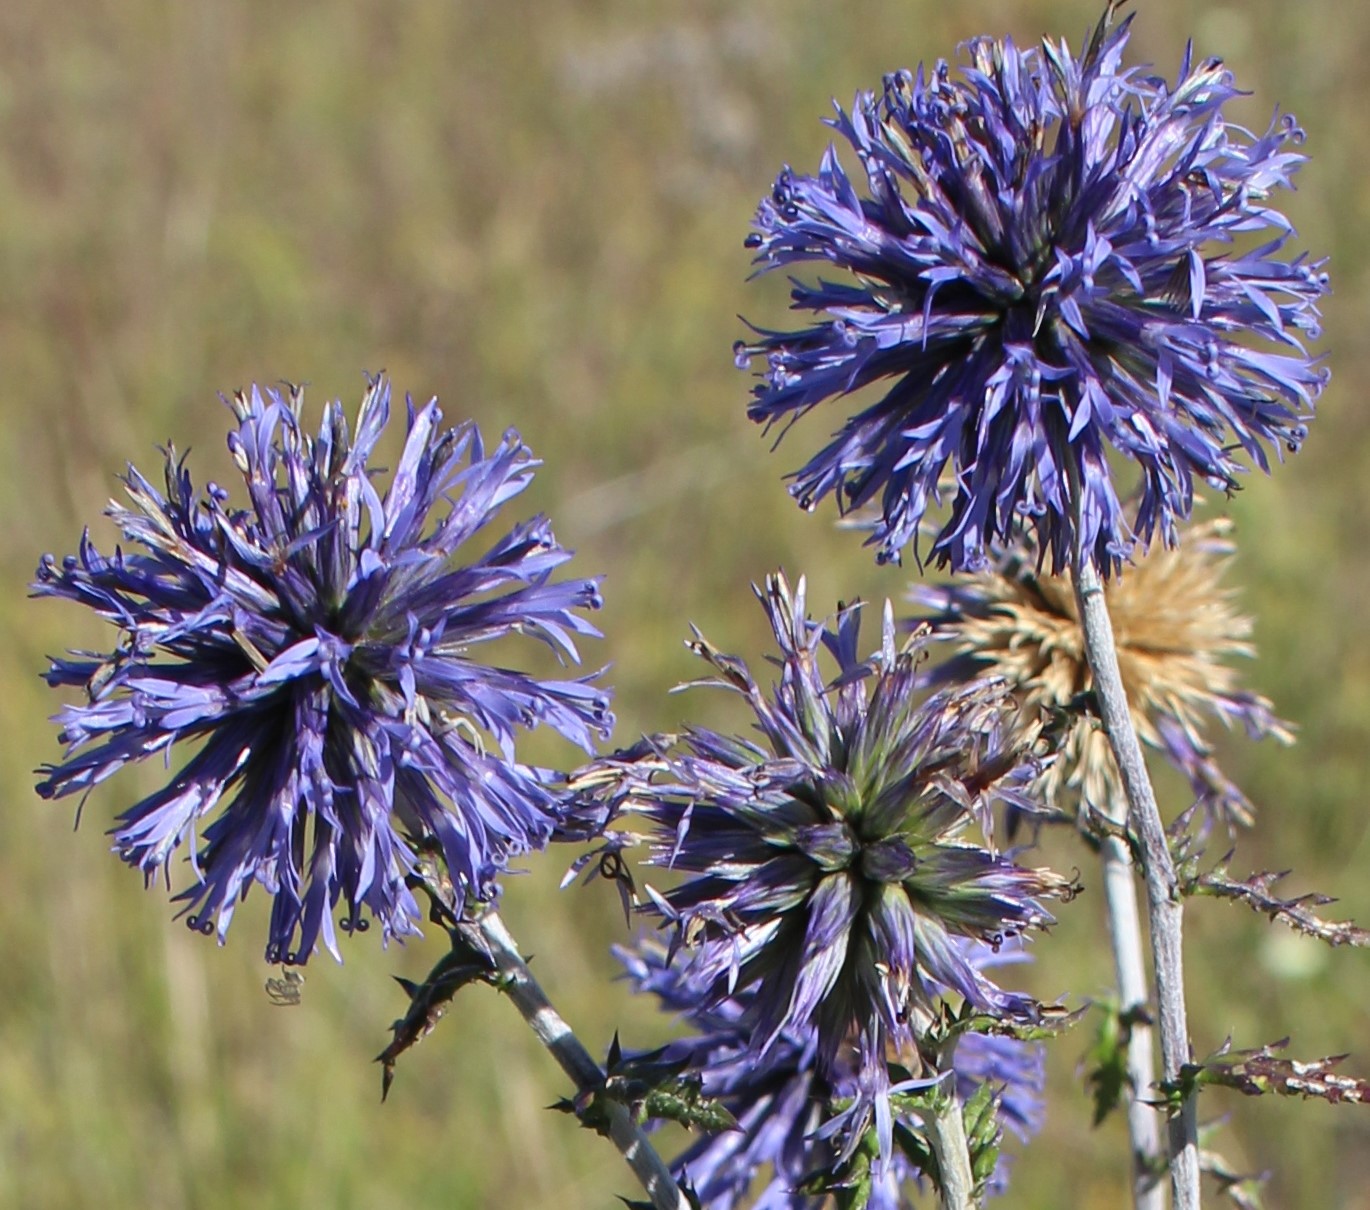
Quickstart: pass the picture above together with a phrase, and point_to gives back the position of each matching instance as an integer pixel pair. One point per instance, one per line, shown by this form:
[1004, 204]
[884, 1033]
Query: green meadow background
[536, 211]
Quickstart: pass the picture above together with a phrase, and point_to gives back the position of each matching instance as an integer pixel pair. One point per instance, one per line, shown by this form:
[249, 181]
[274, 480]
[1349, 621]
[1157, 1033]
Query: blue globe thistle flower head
[832, 874]
[782, 1102]
[316, 651]
[1054, 260]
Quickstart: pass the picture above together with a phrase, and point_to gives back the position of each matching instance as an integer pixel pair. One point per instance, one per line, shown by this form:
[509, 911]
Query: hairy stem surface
[577, 1062]
[947, 1136]
[1165, 909]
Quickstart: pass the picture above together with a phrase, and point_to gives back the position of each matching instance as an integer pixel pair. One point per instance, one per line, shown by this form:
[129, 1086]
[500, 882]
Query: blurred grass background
[536, 211]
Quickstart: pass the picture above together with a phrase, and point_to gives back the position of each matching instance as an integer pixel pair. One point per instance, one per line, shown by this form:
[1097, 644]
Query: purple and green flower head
[783, 1102]
[315, 657]
[1045, 262]
[833, 873]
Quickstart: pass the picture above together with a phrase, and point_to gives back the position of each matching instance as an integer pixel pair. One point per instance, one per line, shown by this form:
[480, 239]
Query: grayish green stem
[1125, 933]
[1165, 909]
[946, 1129]
[577, 1062]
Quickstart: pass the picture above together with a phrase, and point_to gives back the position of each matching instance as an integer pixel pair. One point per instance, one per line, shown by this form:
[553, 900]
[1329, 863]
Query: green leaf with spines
[983, 1135]
[1257, 891]
[466, 962]
[1107, 1077]
[1052, 1021]
[654, 1089]
[1260, 1071]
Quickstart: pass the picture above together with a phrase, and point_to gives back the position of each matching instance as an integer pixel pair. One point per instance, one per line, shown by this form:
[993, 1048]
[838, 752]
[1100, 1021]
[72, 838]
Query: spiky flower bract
[316, 652]
[832, 874]
[1055, 259]
[782, 1101]
[1177, 628]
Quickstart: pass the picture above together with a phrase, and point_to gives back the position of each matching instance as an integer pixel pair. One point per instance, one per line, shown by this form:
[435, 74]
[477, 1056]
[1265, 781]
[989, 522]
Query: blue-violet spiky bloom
[1055, 259]
[1176, 627]
[782, 1102]
[316, 650]
[832, 875]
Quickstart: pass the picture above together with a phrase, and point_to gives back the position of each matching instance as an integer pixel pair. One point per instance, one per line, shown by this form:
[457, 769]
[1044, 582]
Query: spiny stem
[1165, 909]
[577, 1062]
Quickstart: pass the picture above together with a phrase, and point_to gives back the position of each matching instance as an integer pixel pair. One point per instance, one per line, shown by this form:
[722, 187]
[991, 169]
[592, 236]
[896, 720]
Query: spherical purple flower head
[833, 876]
[780, 1102]
[318, 648]
[1035, 285]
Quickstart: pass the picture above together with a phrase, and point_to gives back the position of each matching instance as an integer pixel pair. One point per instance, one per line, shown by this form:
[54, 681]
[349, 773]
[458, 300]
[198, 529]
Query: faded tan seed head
[1176, 625]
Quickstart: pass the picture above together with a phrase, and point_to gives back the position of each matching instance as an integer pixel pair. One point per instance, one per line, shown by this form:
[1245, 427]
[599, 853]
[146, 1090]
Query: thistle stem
[946, 1129]
[1125, 934]
[1165, 909]
[577, 1062]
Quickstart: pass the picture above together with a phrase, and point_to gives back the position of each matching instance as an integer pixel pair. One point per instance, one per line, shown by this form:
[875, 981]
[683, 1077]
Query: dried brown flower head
[1177, 627]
